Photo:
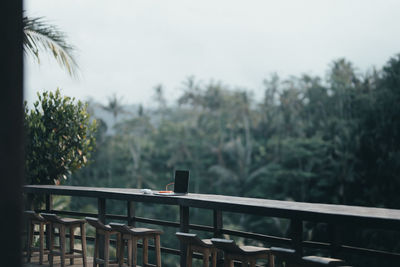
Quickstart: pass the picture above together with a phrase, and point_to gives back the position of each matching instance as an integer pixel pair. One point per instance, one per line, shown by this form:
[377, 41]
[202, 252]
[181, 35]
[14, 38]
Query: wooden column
[335, 238]
[101, 207]
[296, 233]
[218, 225]
[131, 213]
[184, 227]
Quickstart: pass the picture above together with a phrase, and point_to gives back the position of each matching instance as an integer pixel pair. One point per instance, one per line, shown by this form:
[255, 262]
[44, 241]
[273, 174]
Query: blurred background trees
[333, 139]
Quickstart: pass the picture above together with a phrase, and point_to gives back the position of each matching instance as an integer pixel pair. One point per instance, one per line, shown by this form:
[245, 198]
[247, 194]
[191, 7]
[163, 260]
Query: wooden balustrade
[337, 217]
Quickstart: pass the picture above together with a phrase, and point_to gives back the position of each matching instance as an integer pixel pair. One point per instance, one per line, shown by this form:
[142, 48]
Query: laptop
[181, 184]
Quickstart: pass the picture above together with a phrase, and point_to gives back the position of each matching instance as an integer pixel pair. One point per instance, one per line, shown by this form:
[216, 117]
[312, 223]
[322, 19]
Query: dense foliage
[60, 138]
[331, 140]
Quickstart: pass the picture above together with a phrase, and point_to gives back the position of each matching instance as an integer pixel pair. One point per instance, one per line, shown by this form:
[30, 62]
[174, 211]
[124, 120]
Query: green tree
[60, 138]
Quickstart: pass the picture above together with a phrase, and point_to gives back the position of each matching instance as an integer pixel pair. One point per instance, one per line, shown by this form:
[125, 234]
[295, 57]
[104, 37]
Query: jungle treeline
[331, 139]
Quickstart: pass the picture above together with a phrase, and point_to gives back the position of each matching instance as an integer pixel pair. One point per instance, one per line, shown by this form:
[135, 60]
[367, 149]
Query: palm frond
[39, 35]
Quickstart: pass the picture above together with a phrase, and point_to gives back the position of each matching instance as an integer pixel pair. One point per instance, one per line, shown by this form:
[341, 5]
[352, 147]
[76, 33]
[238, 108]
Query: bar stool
[195, 244]
[131, 236]
[289, 256]
[245, 254]
[62, 224]
[35, 219]
[106, 231]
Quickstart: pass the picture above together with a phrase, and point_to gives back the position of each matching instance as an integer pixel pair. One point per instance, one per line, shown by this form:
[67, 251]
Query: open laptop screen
[181, 185]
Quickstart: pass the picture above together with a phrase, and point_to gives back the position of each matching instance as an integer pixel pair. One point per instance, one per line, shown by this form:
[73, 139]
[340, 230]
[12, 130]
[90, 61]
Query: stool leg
[189, 256]
[96, 249]
[271, 260]
[134, 250]
[157, 243]
[130, 260]
[252, 263]
[48, 239]
[51, 245]
[121, 250]
[41, 242]
[214, 257]
[71, 243]
[117, 248]
[145, 251]
[62, 245]
[83, 242]
[206, 257]
[106, 249]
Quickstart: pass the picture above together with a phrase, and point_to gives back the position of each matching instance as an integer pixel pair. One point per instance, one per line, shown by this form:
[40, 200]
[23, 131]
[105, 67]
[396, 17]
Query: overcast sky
[129, 46]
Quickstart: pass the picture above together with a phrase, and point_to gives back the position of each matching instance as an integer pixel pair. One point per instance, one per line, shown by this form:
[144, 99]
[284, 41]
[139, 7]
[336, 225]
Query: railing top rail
[368, 216]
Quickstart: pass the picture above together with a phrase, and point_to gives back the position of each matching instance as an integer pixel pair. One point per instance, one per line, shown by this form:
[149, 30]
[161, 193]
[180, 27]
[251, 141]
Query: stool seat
[69, 221]
[98, 225]
[207, 242]
[193, 239]
[144, 231]
[321, 261]
[251, 250]
[33, 216]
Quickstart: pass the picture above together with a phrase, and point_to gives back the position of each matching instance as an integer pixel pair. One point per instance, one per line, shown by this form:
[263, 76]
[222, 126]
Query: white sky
[129, 46]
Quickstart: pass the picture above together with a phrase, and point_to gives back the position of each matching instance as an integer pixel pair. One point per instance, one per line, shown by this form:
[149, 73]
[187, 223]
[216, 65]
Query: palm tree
[41, 36]
[114, 106]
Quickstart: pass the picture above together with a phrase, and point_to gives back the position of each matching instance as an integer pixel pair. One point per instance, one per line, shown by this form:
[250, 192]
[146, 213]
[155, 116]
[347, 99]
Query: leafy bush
[59, 138]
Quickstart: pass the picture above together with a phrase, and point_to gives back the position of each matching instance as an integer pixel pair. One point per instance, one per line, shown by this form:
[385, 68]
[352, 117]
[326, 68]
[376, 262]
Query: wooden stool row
[248, 255]
[126, 237]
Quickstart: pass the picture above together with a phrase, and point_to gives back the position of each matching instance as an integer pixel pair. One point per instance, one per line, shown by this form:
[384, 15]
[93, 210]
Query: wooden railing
[337, 217]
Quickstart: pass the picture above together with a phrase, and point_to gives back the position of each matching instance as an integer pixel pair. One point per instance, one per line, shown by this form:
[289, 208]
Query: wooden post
[296, 233]
[131, 213]
[218, 225]
[335, 238]
[184, 227]
[49, 208]
[101, 207]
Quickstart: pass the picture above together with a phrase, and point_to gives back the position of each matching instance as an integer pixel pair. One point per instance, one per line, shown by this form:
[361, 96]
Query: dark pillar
[11, 141]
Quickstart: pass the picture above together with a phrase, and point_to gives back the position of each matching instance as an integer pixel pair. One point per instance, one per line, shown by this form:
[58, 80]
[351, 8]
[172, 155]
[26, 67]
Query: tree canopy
[60, 138]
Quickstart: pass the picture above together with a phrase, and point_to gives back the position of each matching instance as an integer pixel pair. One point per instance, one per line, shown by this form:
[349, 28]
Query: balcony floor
[35, 262]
